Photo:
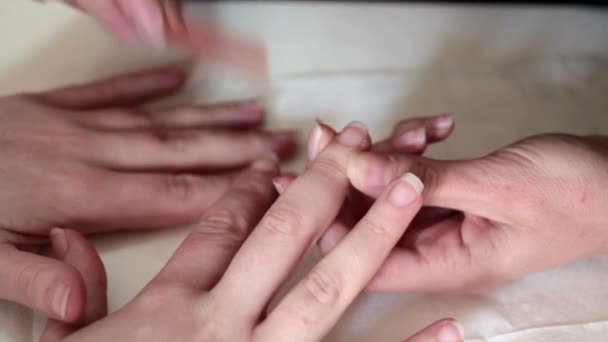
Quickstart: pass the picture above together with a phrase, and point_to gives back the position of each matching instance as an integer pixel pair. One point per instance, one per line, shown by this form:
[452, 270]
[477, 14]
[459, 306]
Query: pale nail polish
[355, 134]
[412, 138]
[443, 123]
[60, 298]
[278, 186]
[450, 332]
[314, 141]
[405, 190]
[266, 163]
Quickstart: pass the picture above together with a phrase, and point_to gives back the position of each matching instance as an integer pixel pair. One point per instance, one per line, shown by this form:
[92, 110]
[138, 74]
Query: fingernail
[278, 186]
[443, 123]
[314, 141]
[355, 134]
[60, 242]
[405, 190]
[412, 138]
[59, 299]
[450, 332]
[266, 163]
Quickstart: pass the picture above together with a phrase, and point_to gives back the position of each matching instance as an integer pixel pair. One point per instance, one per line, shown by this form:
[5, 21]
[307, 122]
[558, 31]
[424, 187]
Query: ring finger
[187, 149]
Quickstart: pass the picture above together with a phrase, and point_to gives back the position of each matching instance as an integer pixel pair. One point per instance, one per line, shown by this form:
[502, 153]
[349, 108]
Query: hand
[217, 288]
[150, 20]
[86, 157]
[530, 206]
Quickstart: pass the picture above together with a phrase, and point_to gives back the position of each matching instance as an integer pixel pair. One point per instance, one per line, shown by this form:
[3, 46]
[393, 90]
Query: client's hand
[217, 287]
[538, 203]
[87, 157]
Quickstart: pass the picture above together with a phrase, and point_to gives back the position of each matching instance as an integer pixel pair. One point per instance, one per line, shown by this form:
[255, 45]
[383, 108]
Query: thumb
[72, 248]
[41, 283]
[456, 185]
[445, 330]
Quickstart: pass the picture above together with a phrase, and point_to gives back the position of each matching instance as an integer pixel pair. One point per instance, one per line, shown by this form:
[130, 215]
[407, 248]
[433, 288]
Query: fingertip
[406, 190]
[445, 330]
[59, 242]
[450, 331]
[441, 126]
[149, 21]
[320, 136]
[66, 296]
[356, 135]
[413, 140]
[281, 183]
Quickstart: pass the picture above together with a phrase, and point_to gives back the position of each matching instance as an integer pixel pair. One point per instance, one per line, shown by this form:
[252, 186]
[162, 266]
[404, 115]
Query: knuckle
[73, 190]
[329, 167]
[322, 287]
[27, 279]
[223, 227]
[155, 296]
[284, 219]
[428, 173]
[181, 186]
[376, 227]
[178, 143]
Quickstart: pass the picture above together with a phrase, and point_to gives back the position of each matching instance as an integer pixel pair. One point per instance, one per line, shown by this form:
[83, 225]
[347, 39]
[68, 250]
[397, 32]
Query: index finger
[292, 225]
[312, 308]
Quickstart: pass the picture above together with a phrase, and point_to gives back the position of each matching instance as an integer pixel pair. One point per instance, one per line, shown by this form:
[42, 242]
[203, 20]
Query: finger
[174, 18]
[320, 136]
[124, 90]
[387, 146]
[148, 19]
[441, 258]
[188, 149]
[454, 184]
[204, 255]
[433, 129]
[336, 231]
[72, 248]
[445, 330]
[292, 225]
[113, 200]
[109, 15]
[50, 286]
[246, 114]
[415, 135]
[281, 183]
[314, 306]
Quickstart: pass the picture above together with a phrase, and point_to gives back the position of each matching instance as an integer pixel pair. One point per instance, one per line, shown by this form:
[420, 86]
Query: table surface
[507, 72]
